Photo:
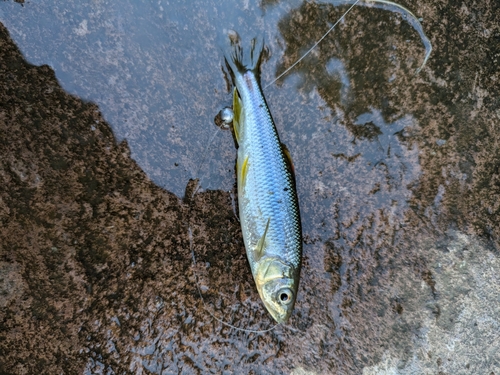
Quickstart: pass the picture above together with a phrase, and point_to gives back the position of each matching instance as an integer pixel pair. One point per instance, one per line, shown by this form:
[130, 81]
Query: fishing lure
[267, 198]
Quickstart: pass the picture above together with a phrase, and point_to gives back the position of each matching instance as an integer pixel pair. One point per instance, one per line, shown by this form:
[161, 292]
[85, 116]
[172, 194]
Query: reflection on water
[386, 163]
[153, 68]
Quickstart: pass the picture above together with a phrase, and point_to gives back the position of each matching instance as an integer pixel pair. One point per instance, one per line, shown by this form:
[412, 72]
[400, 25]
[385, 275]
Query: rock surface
[398, 180]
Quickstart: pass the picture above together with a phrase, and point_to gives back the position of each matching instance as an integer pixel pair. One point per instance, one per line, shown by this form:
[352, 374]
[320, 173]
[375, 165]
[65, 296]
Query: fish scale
[269, 185]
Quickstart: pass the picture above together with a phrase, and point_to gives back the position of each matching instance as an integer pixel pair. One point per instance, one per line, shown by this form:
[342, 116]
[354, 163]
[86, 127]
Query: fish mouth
[278, 293]
[280, 318]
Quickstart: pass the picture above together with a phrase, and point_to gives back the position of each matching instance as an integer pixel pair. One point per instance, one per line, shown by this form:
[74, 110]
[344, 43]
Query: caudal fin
[240, 60]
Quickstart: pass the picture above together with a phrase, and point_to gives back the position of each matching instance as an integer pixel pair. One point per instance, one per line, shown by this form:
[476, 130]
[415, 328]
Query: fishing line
[205, 155]
[407, 15]
[392, 6]
[314, 46]
[203, 300]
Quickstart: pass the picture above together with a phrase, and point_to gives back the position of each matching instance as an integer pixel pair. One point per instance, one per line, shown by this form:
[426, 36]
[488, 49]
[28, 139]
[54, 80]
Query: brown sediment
[82, 226]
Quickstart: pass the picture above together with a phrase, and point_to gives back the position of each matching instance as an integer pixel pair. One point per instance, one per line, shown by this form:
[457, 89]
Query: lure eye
[224, 118]
[285, 296]
[227, 115]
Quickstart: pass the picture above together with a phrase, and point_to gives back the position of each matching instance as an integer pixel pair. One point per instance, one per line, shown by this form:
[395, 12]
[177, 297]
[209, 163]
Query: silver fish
[267, 198]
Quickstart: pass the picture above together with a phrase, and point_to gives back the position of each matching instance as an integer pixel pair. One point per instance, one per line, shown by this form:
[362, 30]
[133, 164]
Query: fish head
[277, 283]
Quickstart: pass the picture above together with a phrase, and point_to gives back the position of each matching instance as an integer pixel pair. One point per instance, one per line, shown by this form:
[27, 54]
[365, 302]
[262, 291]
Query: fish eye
[285, 296]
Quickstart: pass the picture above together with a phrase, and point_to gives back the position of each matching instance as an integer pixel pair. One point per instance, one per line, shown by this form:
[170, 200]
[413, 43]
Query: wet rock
[465, 271]
[82, 226]
[96, 259]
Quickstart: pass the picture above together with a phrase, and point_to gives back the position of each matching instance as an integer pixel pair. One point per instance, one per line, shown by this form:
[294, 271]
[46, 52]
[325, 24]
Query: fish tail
[242, 61]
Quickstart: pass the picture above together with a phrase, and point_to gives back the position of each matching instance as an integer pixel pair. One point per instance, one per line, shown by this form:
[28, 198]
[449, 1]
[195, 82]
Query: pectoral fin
[259, 249]
[243, 171]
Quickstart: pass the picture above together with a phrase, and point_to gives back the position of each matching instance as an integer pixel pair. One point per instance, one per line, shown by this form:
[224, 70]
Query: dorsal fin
[288, 159]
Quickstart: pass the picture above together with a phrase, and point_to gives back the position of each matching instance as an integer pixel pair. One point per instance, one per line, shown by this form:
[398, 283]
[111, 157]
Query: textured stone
[397, 178]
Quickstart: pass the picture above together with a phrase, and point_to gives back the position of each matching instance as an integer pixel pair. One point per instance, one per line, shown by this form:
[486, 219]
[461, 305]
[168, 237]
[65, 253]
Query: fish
[267, 196]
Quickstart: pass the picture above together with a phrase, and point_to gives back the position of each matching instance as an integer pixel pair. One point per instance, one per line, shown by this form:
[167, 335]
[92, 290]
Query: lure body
[267, 198]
